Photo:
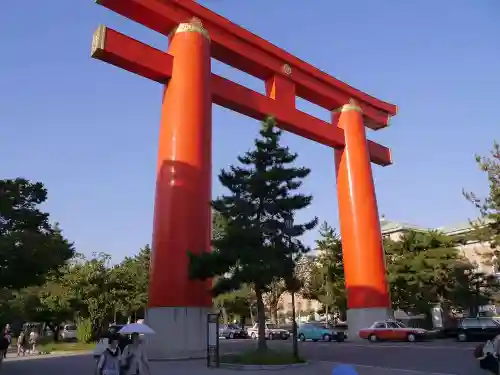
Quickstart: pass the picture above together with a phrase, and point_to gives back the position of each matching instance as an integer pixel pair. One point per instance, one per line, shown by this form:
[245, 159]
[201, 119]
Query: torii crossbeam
[182, 219]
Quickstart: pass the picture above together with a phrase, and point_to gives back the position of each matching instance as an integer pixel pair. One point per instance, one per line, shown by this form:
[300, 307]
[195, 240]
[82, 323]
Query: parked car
[478, 329]
[271, 331]
[392, 330]
[316, 331]
[68, 332]
[232, 331]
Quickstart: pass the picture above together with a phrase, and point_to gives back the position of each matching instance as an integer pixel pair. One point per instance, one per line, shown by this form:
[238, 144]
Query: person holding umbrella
[134, 358]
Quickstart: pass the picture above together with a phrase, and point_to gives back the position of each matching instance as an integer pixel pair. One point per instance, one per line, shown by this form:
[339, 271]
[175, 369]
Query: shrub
[84, 330]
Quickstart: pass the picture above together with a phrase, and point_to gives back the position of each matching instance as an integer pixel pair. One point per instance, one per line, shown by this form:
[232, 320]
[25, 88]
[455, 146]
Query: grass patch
[270, 357]
[65, 347]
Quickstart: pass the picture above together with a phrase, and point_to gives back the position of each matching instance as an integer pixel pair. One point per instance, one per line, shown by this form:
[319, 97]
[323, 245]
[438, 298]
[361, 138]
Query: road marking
[407, 371]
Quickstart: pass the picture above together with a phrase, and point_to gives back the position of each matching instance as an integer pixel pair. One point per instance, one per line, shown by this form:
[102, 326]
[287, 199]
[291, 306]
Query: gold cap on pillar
[193, 26]
[351, 106]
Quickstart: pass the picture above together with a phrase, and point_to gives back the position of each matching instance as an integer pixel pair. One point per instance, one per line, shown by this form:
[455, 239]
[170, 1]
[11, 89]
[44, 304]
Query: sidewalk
[11, 357]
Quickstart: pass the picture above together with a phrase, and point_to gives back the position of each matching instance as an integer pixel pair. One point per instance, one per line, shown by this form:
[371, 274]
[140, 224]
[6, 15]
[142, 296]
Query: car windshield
[232, 326]
[321, 325]
[70, 328]
[271, 326]
[400, 325]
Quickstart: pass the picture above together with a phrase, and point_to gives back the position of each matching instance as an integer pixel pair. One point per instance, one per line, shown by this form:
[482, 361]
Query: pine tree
[487, 227]
[327, 274]
[260, 243]
[426, 268]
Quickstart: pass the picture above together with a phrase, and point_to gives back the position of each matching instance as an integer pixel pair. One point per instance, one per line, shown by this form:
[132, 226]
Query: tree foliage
[260, 243]
[30, 247]
[327, 283]
[487, 226]
[427, 268]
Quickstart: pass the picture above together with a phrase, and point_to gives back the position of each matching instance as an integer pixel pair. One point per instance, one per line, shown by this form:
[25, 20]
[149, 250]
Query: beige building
[474, 251]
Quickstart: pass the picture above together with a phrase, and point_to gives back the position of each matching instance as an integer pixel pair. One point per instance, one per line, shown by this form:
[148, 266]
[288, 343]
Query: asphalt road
[442, 357]
[433, 358]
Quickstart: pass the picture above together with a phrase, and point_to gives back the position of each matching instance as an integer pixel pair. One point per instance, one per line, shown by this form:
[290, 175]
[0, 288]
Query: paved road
[436, 358]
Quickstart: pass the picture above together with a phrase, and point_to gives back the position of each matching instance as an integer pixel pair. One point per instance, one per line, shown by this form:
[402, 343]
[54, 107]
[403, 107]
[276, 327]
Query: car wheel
[231, 336]
[302, 337]
[373, 338]
[462, 336]
[327, 337]
[253, 336]
[411, 337]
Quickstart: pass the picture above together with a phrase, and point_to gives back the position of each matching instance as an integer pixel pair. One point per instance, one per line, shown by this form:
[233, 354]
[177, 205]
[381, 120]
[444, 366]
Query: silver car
[232, 331]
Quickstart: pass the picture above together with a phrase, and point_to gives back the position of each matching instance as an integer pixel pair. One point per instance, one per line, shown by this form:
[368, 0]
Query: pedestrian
[134, 359]
[8, 336]
[21, 344]
[485, 353]
[109, 361]
[4, 345]
[33, 341]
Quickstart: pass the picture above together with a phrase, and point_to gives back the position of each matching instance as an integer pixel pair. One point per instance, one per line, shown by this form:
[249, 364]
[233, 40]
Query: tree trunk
[261, 319]
[273, 309]
[224, 315]
[250, 308]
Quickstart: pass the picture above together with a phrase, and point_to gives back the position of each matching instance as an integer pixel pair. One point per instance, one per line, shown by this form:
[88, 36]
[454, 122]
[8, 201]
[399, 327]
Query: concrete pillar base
[363, 318]
[181, 332]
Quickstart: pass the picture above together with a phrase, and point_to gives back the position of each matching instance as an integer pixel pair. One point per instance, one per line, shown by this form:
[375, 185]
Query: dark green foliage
[326, 281]
[487, 227]
[260, 242]
[426, 268]
[30, 247]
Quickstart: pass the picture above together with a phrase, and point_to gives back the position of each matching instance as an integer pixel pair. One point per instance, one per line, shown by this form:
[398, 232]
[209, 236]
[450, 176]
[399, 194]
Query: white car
[68, 332]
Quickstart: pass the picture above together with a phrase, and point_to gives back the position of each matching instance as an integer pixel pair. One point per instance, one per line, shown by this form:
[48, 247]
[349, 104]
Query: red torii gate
[182, 217]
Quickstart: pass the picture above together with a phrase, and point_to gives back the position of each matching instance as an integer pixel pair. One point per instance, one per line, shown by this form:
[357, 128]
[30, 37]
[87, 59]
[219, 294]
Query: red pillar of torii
[182, 217]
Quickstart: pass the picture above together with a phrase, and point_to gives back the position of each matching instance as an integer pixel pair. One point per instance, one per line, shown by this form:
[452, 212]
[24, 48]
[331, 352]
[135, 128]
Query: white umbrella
[139, 328]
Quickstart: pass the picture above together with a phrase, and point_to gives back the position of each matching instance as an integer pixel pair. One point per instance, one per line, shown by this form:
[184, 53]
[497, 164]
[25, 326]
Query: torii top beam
[245, 51]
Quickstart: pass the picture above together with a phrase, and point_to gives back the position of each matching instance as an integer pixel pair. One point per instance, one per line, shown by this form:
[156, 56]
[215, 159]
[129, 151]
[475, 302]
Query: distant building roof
[388, 226]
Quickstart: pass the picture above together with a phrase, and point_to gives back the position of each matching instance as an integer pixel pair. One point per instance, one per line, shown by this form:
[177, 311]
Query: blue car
[316, 331]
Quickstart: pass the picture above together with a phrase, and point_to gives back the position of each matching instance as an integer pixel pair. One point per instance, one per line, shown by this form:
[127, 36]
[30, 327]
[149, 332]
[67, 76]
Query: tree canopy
[30, 247]
[487, 226]
[326, 279]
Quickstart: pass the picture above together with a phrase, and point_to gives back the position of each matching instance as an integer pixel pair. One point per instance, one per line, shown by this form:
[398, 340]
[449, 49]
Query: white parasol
[139, 328]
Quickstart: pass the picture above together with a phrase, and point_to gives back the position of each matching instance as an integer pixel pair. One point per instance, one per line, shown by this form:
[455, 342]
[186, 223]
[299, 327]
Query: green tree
[30, 247]
[487, 227]
[259, 244]
[273, 296]
[327, 282]
[89, 286]
[423, 269]
[472, 289]
[132, 277]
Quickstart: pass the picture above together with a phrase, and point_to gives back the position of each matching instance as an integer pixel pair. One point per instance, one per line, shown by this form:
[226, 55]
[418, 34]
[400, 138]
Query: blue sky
[89, 130]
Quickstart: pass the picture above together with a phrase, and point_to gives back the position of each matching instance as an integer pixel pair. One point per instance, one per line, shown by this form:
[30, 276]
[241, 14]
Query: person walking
[109, 361]
[21, 344]
[8, 336]
[4, 345]
[33, 341]
[134, 358]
